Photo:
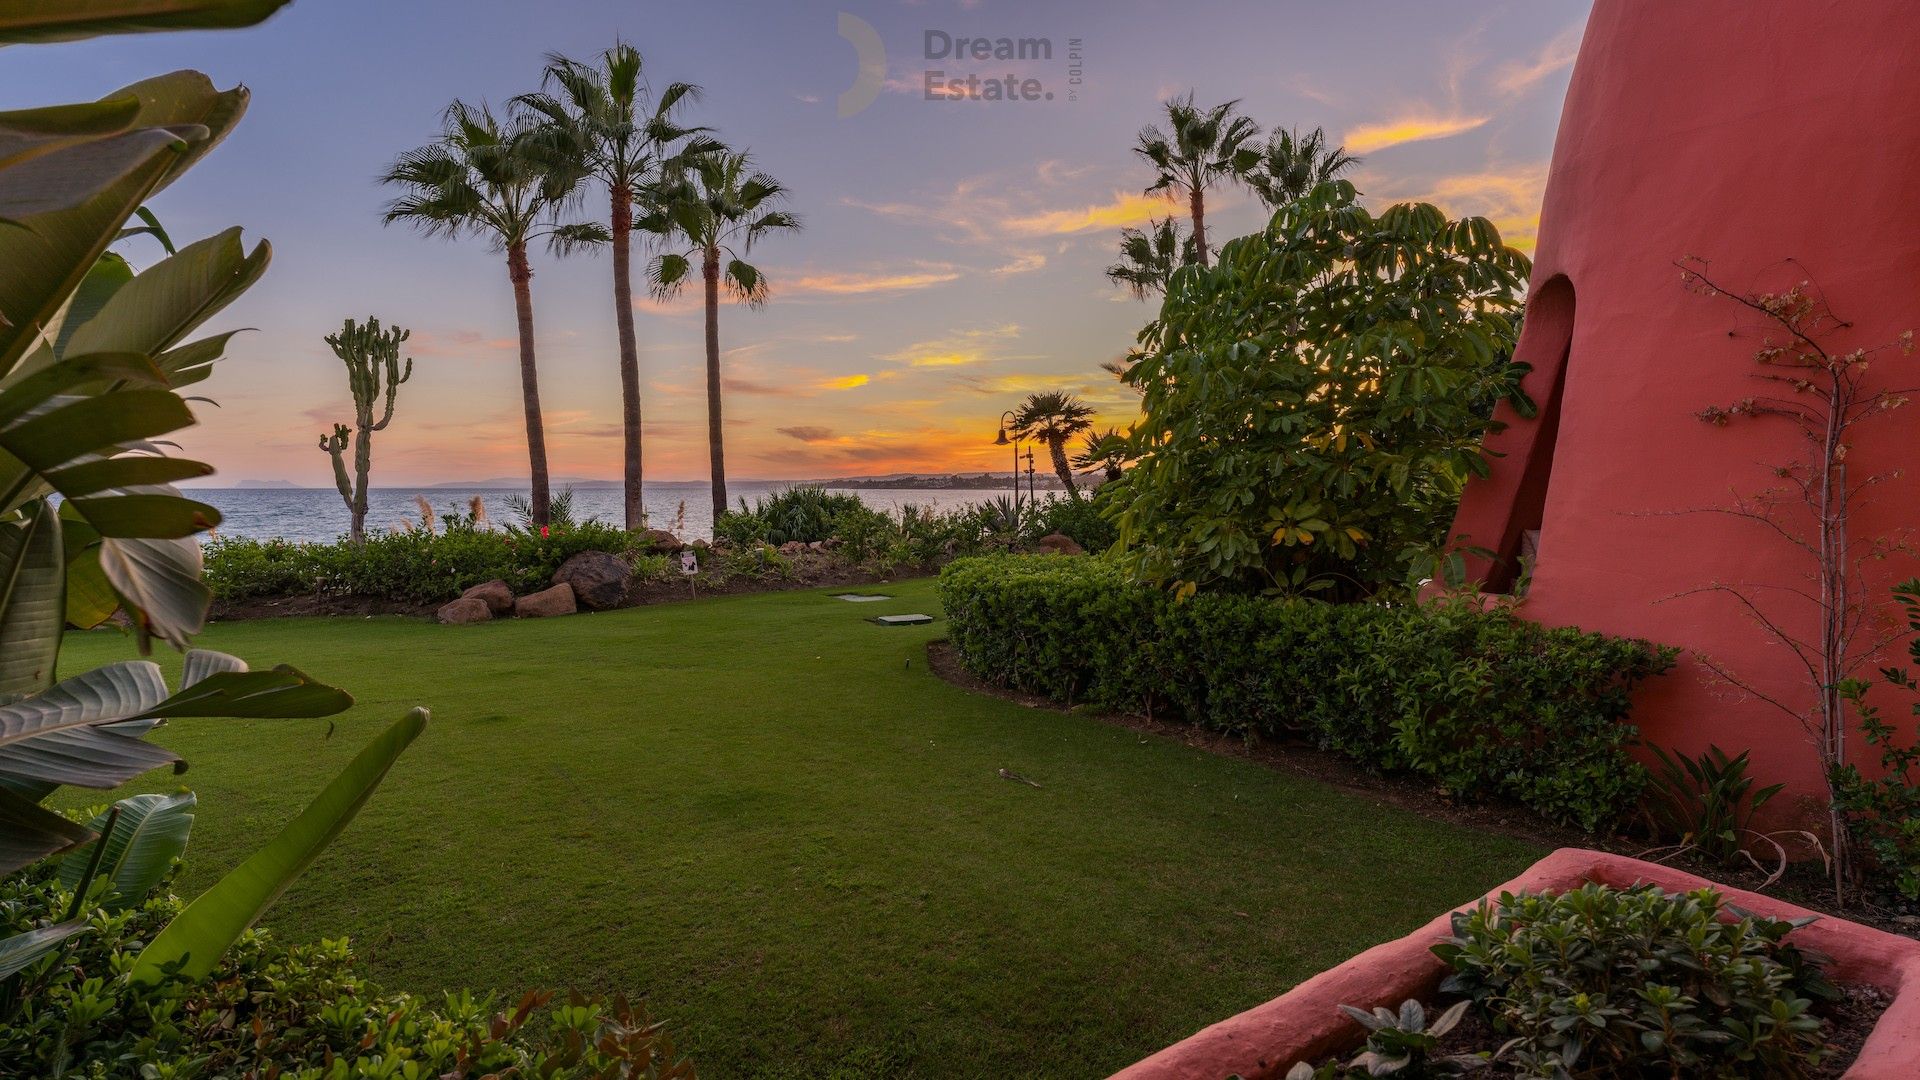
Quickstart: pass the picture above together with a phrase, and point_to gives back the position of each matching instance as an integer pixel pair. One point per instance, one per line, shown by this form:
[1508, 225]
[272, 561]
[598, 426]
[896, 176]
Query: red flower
[543, 532]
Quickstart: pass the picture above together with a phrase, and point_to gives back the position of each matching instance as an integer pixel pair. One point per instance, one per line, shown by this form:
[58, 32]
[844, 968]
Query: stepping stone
[860, 598]
[903, 620]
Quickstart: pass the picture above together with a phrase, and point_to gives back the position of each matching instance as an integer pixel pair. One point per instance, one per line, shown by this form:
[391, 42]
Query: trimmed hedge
[1480, 702]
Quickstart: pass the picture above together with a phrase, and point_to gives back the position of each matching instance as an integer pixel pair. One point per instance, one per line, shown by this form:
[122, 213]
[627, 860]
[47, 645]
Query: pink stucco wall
[1746, 134]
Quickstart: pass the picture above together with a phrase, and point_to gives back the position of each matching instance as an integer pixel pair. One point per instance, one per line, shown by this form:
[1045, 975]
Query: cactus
[372, 356]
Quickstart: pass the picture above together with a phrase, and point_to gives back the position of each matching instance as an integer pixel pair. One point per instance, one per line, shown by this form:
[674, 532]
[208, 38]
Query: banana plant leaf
[33, 578]
[21, 950]
[68, 20]
[50, 254]
[156, 309]
[30, 832]
[88, 731]
[193, 942]
[149, 833]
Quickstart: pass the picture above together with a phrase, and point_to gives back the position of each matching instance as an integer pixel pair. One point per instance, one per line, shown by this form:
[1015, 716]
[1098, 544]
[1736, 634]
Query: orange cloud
[1023, 264]
[958, 349]
[1367, 138]
[847, 382]
[1123, 211]
[857, 284]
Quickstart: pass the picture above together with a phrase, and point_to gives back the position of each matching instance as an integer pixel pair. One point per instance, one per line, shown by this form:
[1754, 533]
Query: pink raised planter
[1305, 1024]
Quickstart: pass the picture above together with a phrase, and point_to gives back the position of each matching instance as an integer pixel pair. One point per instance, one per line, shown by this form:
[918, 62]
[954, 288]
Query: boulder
[1060, 544]
[496, 594]
[546, 603]
[599, 580]
[661, 540]
[467, 609]
[792, 547]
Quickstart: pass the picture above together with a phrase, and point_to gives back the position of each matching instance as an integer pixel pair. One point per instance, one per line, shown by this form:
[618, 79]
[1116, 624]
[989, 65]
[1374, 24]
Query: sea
[684, 508]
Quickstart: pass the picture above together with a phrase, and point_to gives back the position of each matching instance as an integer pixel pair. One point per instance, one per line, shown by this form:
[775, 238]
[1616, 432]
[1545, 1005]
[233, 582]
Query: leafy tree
[1294, 163]
[1149, 256]
[1199, 148]
[372, 356]
[1054, 417]
[491, 179]
[606, 121]
[1312, 404]
[711, 203]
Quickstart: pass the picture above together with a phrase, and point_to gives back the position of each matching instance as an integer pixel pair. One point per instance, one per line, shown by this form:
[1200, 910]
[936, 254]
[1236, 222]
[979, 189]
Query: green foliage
[1707, 802]
[807, 513]
[1399, 1044]
[1480, 702]
[1314, 402]
[1080, 520]
[1882, 813]
[414, 567]
[301, 1012]
[1624, 983]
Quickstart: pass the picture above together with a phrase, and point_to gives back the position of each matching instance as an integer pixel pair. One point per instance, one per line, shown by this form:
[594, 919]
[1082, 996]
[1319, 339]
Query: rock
[792, 547]
[496, 594]
[599, 580]
[817, 545]
[1061, 544]
[661, 540]
[546, 603]
[467, 609]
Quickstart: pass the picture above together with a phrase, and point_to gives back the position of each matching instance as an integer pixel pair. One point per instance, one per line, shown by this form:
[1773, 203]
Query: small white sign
[689, 564]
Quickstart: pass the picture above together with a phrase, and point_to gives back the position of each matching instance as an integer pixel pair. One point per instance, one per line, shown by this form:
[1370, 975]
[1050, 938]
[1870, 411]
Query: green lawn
[767, 815]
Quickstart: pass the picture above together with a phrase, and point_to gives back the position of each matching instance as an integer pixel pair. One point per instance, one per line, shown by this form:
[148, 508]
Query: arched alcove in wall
[1546, 340]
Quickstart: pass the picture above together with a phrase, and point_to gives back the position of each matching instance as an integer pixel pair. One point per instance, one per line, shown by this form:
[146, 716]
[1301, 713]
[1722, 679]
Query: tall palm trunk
[1197, 205]
[710, 278]
[1058, 448]
[629, 353]
[521, 274]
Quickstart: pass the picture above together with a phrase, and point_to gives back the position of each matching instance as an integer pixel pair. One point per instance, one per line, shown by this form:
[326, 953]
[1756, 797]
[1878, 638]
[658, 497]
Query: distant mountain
[519, 482]
[266, 484]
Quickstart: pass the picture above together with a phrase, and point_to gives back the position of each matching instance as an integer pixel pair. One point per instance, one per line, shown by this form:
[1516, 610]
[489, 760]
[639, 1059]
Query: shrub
[1480, 702]
[805, 513]
[1603, 982]
[414, 567]
[299, 1012]
[1882, 813]
[1080, 520]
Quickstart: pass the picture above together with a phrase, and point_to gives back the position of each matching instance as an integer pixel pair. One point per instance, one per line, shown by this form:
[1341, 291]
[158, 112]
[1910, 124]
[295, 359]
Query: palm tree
[1148, 257]
[486, 178]
[1053, 418]
[711, 203]
[1102, 452]
[1294, 163]
[1200, 148]
[607, 122]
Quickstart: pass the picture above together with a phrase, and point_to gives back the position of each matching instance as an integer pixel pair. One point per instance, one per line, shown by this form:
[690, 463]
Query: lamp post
[1006, 419]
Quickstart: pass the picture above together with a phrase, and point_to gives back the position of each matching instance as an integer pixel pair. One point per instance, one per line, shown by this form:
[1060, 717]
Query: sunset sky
[953, 252]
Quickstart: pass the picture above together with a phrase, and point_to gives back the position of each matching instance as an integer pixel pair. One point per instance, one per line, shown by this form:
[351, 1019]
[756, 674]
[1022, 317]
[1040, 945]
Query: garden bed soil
[1804, 884]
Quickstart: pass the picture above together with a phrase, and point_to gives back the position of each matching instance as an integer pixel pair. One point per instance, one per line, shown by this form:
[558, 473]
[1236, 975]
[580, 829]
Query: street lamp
[1006, 419]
